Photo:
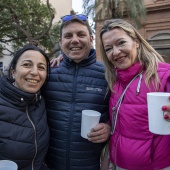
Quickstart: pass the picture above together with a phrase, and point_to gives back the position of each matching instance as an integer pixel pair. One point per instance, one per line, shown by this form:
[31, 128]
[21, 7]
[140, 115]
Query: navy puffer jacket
[24, 134]
[72, 88]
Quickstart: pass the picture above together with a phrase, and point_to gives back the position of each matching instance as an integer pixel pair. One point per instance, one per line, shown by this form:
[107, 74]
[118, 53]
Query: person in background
[133, 68]
[24, 133]
[77, 84]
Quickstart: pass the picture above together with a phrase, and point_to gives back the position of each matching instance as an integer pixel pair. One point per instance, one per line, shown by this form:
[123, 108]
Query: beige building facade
[62, 7]
[156, 27]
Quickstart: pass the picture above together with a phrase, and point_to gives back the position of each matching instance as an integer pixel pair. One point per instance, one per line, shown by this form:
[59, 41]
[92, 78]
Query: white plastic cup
[90, 118]
[157, 123]
[8, 165]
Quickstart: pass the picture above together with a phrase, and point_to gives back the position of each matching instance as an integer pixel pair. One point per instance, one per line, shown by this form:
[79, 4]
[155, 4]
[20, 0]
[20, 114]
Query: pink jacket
[132, 146]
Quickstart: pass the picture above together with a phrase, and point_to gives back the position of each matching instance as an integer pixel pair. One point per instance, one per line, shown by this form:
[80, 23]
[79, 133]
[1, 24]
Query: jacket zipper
[116, 150]
[121, 98]
[35, 136]
[71, 118]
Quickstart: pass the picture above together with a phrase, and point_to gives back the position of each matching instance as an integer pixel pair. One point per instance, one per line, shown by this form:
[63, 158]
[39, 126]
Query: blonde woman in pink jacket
[133, 68]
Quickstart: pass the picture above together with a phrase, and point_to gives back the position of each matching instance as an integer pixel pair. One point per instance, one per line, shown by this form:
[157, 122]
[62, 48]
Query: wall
[63, 7]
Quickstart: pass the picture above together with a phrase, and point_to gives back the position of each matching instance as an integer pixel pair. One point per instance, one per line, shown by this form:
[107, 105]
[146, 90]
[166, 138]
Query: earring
[13, 76]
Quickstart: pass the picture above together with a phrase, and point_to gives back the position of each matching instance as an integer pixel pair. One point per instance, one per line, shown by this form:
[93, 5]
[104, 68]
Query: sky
[77, 6]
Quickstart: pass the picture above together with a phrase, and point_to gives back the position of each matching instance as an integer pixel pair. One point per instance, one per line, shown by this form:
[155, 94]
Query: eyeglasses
[69, 17]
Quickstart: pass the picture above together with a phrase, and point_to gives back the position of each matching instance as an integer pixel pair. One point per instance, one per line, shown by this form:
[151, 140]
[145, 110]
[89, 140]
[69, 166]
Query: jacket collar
[126, 75]
[15, 95]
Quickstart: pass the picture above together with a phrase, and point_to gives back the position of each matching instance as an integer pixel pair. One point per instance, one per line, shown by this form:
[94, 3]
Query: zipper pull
[139, 84]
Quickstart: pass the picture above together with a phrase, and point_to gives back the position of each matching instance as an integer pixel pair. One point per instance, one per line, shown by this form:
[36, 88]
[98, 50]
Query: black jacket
[24, 134]
[72, 88]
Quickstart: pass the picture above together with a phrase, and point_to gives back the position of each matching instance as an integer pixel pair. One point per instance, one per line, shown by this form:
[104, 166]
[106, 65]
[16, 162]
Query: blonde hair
[147, 56]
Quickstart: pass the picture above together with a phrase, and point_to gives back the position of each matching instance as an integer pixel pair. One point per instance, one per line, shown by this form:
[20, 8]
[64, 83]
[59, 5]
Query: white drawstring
[139, 84]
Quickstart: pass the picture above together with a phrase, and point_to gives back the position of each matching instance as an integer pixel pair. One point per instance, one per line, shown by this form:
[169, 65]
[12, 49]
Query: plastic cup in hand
[8, 165]
[157, 123]
[90, 118]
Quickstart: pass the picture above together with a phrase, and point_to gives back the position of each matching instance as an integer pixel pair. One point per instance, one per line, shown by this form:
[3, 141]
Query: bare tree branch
[10, 52]
[15, 18]
[50, 24]
[51, 41]
[54, 50]
[11, 39]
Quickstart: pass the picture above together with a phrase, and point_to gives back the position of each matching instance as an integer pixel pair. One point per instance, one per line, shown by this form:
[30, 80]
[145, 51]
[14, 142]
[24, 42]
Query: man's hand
[100, 133]
[56, 61]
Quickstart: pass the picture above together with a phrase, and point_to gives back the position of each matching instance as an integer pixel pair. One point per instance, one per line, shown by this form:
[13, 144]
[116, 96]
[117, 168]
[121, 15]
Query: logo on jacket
[94, 89]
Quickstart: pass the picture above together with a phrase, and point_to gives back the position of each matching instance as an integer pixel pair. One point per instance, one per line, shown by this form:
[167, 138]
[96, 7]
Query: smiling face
[30, 72]
[120, 48]
[76, 41]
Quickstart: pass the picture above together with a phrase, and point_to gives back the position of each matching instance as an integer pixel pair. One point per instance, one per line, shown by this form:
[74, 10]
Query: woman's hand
[100, 133]
[166, 110]
[57, 61]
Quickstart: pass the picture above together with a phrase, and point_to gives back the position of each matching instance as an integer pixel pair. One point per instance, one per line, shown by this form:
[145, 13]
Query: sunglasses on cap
[69, 17]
